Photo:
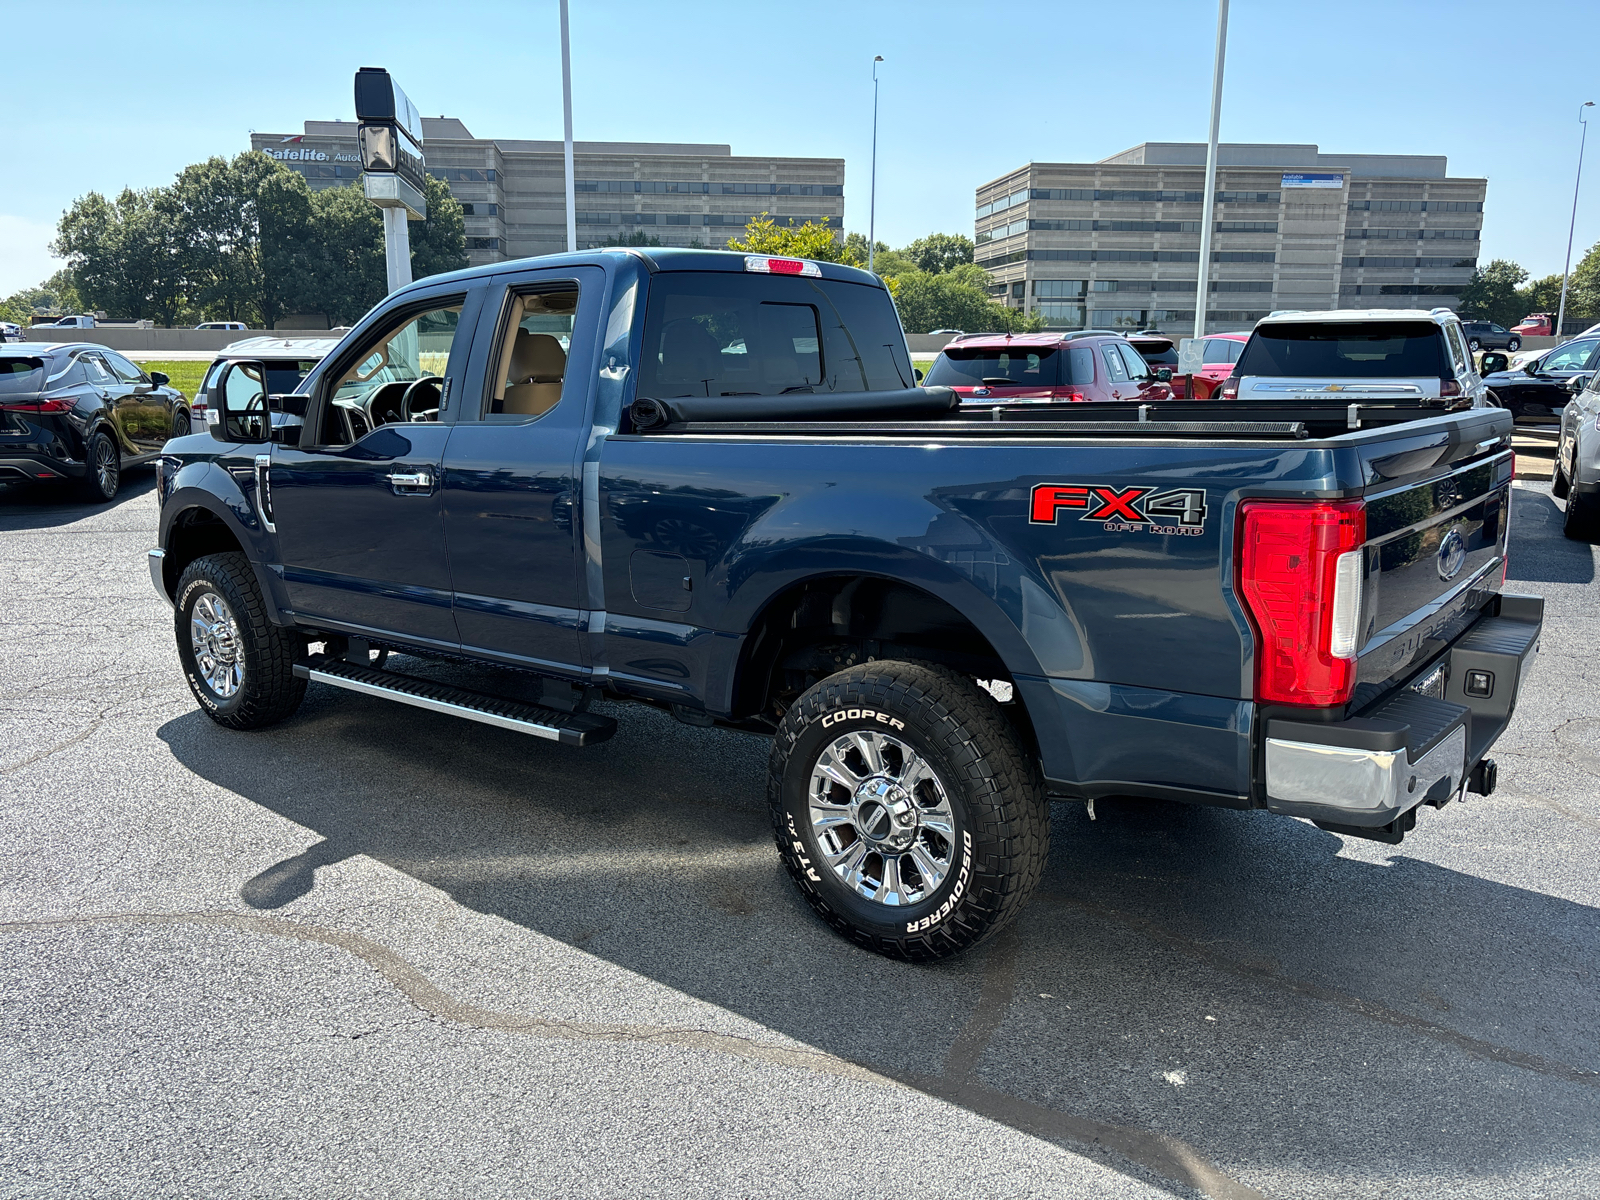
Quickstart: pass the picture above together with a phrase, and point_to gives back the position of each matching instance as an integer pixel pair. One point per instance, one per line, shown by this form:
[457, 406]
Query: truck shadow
[1228, 979]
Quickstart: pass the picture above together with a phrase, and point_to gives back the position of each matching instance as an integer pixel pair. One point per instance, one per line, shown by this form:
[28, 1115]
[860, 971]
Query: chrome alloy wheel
[105, 465]
[214, 637]
[882, 819]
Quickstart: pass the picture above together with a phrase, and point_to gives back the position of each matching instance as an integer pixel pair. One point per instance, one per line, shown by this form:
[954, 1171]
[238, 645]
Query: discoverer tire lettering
[949, 787]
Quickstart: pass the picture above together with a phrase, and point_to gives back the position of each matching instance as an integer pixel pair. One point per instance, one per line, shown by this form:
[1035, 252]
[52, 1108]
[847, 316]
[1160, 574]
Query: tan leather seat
[538, 365]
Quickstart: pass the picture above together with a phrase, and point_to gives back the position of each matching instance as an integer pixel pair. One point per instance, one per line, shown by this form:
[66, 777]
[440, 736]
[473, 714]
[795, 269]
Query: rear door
[356, 504]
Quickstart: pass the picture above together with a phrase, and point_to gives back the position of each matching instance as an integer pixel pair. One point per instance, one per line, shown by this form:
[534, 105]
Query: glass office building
[513, 192]
[1116, 243]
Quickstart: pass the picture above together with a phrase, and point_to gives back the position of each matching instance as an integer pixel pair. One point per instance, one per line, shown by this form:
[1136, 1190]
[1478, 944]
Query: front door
[512, 474]
[145, 410]
[356, 504]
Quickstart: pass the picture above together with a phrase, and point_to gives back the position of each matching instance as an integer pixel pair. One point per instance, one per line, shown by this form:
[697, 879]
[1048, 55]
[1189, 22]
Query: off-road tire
[996, 795]
[100, 486]
[1582, 522]
[268, 691]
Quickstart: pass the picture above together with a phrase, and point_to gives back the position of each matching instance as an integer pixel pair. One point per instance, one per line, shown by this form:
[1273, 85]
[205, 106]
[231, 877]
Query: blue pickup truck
[709, 482]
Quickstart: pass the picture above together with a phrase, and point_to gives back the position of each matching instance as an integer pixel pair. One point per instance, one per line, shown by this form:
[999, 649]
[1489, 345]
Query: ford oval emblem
[1452, 555]
[980, 391]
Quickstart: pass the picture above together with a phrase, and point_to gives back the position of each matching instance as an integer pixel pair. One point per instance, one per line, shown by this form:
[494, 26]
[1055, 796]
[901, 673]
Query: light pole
[1566, 267]
[872, 202]
[566, 109]
[1209, 209]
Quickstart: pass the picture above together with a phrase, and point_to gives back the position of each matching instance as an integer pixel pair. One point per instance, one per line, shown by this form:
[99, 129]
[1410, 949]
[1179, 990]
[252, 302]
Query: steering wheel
[411, 402]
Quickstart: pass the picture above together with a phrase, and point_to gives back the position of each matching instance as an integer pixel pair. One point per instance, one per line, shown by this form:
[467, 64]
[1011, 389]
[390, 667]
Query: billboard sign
[1312, 181]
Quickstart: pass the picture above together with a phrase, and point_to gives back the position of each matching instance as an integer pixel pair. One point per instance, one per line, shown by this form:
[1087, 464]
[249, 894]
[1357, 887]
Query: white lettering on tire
[861, 714]
[943, 911]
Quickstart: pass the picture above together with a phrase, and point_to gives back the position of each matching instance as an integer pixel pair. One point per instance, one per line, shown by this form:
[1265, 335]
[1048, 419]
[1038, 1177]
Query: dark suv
[1088, 365]
[1486, 335]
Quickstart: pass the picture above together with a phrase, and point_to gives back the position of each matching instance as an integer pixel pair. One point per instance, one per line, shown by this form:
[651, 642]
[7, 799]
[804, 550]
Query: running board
[570, 729]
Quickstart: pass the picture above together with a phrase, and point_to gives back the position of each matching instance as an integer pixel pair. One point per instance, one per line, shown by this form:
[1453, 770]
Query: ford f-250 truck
[707, 482]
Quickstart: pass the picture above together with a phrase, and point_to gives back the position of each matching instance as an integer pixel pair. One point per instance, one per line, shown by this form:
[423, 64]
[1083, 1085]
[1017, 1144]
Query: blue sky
[969, 91]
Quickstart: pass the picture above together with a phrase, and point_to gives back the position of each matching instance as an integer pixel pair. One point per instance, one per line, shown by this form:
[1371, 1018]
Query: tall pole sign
[394, 173]
[1566, 269]
[566, 112]
[1208, 212]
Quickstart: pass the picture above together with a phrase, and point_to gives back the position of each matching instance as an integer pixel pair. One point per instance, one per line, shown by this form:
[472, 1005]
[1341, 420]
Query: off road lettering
[861, 714]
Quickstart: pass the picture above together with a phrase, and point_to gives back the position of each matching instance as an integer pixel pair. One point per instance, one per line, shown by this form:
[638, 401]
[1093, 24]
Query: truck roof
[1353, 315]
[655, 258]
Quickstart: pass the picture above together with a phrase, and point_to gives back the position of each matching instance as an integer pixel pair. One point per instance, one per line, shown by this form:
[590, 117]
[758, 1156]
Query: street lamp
[1561, 310]
[872, 203]
[389, 132]
[566, 113]
[1209, 207]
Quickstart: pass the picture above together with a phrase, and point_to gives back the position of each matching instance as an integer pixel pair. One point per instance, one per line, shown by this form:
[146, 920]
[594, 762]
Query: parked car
[10, 331]
[1577, 469]
[1360, 357]
[1270, 611]
[81, 413]
[1536, 392]
[952, 332]
[288, 360]
[1082, 366]
[1536, 325]
[1486, 335]
[239, 325]
[78, 322]
[1220, 352]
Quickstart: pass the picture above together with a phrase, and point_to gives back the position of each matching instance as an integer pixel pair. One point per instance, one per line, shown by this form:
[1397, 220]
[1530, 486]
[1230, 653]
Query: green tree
[855, 249]
[348, 274]
[1542, 295]
[122, 255]
[439, 243]
[939, 252]
[1492, 292]
[637, 238]
[951, 301]
[1583, 286]
[765, 236]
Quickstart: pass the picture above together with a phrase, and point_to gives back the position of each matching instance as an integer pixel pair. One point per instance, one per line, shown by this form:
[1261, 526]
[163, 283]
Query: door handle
[411, 483]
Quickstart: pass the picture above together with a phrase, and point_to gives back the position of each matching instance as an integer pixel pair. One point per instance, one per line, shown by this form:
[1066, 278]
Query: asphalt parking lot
[375, 951]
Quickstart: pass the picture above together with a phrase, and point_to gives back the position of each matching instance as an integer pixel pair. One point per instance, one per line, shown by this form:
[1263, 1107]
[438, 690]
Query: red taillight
[1229, 389]
[1449, 387]
[39, 406]
[1300, 574]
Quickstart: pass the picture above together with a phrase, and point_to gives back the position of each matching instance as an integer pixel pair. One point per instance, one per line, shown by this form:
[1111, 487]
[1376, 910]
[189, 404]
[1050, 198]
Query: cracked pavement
[379, 951]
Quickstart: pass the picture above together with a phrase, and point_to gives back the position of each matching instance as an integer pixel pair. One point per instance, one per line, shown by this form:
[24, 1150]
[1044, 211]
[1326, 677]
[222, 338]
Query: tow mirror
[238, 411]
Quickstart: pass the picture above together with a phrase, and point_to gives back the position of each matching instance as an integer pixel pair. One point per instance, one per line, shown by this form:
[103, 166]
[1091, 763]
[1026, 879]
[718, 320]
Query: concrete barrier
[144, 339]
[927, 343]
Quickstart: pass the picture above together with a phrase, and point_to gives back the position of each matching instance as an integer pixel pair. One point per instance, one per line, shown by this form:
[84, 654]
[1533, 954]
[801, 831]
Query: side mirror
[917, 371]
[1577, 383]
[160, 379]
[1162, 374]
[239, 402]
[1493, 362]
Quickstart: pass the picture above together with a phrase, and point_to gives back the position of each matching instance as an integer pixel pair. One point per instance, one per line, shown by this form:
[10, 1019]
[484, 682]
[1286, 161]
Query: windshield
[21, 374]
[1370, 350]
[284, 375]
[723, 334]
[1157, 354]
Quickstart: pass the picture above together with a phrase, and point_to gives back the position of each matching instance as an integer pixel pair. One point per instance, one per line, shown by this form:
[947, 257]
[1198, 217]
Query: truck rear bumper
[1420, 744]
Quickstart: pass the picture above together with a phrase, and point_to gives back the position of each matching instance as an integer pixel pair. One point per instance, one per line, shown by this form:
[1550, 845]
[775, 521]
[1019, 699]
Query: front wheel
[906, 809]
[240, 666]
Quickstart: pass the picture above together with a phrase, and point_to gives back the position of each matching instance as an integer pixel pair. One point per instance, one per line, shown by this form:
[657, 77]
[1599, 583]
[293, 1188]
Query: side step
[570, 729]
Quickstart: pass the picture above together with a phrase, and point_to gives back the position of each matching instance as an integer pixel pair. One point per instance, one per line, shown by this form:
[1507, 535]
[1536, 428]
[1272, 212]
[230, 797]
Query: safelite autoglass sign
[1313, 181]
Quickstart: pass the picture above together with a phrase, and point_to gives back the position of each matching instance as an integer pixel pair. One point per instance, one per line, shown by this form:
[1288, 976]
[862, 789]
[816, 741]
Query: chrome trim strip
[439, 706]
[156, 560]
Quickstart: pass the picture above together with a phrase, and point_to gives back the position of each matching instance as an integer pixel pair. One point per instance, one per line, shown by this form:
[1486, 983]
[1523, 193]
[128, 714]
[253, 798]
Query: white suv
[1359, 356]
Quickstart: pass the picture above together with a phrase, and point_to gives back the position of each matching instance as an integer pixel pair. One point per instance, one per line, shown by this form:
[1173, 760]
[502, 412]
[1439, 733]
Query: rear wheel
[1582, 523]
[1473, 344]
[1514, 345]
[240, 666]
[104, 474]
[906, 810]
[180, 425]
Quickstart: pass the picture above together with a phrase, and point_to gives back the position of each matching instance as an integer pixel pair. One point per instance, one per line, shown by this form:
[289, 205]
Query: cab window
[396, 377]
[531, 358]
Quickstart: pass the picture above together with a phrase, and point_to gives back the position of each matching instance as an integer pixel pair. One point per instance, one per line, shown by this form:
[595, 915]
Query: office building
[513, 192]
[1116, 243]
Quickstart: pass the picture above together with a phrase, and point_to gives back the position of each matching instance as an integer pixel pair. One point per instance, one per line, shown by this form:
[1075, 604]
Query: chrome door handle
[411, 483]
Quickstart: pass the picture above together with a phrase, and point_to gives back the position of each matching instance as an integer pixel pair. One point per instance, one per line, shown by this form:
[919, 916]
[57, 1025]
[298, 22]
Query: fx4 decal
[1118, 509]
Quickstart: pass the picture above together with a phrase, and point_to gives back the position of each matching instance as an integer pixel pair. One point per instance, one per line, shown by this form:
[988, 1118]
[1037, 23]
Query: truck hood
[1270, 387]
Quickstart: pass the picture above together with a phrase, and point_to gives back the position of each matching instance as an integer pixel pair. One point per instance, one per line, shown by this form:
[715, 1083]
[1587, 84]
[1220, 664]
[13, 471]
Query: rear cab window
[709, 333]
[1346, 350]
